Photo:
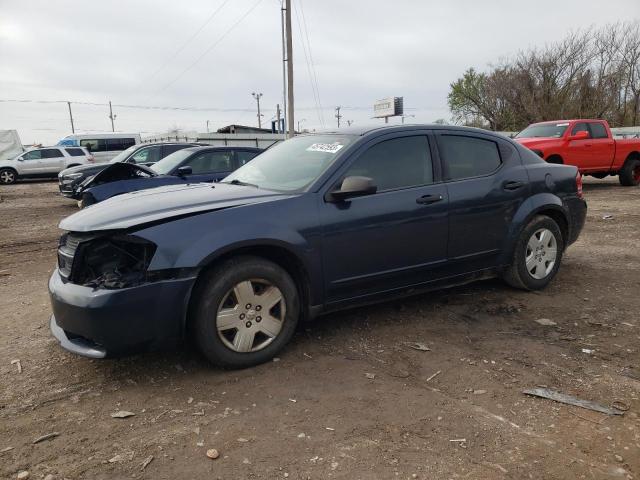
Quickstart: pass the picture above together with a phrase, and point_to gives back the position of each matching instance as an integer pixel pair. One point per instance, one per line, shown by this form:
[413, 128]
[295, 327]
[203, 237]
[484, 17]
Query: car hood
[163, 204]
[536, 141]
[82, 168]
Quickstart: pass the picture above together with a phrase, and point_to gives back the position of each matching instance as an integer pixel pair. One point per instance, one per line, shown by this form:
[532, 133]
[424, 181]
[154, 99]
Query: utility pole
[284, 72]
[73, 130]
[338, 116]
[299, 122]
[112, 117]
[349, 122]
[278, 117]
[290, 115]
[257, 97]
[406, 116]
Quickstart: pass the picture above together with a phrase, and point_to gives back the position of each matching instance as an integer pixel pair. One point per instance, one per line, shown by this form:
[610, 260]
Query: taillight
[579, 185]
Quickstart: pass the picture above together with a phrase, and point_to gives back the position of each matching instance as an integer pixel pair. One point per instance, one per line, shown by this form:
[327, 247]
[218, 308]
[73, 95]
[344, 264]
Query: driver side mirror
[581, 135]
[184, 171]
[352, 187]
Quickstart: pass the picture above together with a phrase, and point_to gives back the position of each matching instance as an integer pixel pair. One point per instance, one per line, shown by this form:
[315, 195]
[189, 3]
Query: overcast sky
[363, 50]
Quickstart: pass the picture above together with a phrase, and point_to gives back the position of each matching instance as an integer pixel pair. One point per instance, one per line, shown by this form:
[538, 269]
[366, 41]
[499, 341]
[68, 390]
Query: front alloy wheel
[7, 176]
[251, 315]
[244, 311]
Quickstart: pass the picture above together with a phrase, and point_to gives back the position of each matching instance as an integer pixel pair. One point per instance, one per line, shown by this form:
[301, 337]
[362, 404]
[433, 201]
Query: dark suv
[315, 224]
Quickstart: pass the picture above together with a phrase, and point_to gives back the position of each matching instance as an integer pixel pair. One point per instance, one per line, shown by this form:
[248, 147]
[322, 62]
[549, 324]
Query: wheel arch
[273, 251]
[555, 158]
[635, 155]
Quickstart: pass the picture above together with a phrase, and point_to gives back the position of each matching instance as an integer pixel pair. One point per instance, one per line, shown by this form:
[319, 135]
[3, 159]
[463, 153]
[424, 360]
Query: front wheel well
[632, 156]
[278, 255]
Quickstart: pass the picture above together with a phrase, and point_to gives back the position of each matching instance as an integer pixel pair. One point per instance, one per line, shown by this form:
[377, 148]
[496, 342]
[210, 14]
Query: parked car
[314, 224]
[587, 144]
[44, 162]
[140, 154]
[188, 165]
[103, 146]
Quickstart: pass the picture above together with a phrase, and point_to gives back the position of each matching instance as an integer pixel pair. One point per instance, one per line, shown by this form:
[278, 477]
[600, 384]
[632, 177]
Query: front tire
[537, 255]
[246, 311]
[629, 174]
[8, 176]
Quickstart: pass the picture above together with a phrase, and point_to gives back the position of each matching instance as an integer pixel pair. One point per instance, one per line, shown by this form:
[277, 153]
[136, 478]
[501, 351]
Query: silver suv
[45, 162]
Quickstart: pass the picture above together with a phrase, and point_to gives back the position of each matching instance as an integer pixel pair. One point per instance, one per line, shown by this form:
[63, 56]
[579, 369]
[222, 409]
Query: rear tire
[629, 174]
[537, 255]
[8, 176]
[245, 312]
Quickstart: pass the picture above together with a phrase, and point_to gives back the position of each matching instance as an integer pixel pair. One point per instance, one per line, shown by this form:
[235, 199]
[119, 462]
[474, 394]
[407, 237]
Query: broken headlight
[113, 262]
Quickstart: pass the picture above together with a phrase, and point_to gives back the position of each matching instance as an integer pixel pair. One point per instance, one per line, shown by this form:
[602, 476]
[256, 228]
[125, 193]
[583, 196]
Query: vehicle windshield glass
[293, 164]
[544, 130]
[168, 163]
[122, 156]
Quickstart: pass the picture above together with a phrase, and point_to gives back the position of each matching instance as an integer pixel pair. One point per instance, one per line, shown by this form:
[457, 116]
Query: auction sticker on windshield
[325, 147]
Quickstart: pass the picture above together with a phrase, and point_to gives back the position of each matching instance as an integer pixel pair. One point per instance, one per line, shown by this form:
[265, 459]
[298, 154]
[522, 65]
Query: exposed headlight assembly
[113, 262]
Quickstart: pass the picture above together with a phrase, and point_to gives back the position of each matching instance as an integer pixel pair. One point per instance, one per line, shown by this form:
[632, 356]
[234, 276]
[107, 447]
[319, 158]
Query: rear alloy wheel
[537, 255]
[8, 176]
[629, 174]
[246, 310]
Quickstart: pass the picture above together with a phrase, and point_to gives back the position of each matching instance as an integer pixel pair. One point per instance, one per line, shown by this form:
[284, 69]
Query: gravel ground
[349, 398]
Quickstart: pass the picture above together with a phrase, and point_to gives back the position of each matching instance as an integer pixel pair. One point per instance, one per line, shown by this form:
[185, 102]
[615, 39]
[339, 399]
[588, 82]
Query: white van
[103, 146]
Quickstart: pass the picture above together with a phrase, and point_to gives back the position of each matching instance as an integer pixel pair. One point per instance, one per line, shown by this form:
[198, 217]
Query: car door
[486, 183]
[29, 163]
[209, 166]
[602, 147]
[579, 152]
[393, 238]
[52, 161]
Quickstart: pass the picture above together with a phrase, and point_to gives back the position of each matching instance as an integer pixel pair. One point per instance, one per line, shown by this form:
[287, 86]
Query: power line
[313, 65]
[184, 45]
[211, 47]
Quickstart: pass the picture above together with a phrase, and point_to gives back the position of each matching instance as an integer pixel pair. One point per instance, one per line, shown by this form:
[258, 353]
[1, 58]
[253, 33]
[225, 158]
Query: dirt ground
[348, 398]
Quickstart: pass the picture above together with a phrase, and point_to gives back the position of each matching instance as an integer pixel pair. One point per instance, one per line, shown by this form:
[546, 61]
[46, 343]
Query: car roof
[374, 129]
[228, 147]
[570, 120]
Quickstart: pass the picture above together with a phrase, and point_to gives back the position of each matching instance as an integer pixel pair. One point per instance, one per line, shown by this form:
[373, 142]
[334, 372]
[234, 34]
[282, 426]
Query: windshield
[122, 156]
[168, 163]
[544, 130]
[293, 164]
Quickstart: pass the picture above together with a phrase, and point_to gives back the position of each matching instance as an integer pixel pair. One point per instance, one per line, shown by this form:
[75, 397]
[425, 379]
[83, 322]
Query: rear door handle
[512, 185]
[428, 199]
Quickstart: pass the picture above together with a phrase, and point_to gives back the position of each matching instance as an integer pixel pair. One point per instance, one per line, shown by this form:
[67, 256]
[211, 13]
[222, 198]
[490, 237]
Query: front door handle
[512, 185]
[428, 199]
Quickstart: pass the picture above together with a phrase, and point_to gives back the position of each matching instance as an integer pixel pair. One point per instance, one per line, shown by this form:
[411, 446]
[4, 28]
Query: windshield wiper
[235, 181]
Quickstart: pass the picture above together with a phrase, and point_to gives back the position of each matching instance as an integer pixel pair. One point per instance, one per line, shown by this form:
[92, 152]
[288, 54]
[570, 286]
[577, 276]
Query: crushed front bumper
[100, 323]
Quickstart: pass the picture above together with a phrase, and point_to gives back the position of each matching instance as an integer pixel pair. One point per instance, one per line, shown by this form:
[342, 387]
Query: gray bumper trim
[77, 345]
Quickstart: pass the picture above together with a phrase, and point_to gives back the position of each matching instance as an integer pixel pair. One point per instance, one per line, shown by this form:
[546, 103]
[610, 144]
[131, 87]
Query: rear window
[94, 145]
[467, 157]
[75, 152]
[119, 144]
[107, 145]
[50, 153]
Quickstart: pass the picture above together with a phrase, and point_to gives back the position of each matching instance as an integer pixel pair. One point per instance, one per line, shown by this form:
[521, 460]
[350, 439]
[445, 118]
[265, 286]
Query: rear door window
[468, 157]
[50, 153]
[75, 152]
[119, 144]
[598, 130]
[146, 155]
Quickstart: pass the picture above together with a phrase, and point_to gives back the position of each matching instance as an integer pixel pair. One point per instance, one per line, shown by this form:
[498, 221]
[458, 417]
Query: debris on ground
[588, 350]
[146, 462]
[18, 364]
[571, 400]
[370, 376]
[418, 346]
[607, 217]
[434, 375]
[23, 475]
[48, 436]
[546, 322]
[479, 392]
[122, 414]
[212, 453]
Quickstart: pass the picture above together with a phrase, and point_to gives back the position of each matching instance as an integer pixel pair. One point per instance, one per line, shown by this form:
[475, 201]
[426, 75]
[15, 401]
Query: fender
[537, 203]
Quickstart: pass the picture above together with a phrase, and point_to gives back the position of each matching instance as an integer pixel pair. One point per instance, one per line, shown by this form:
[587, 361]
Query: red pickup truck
[587, 144]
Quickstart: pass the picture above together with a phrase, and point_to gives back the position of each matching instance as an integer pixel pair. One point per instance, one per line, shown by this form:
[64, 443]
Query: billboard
[388, 107]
